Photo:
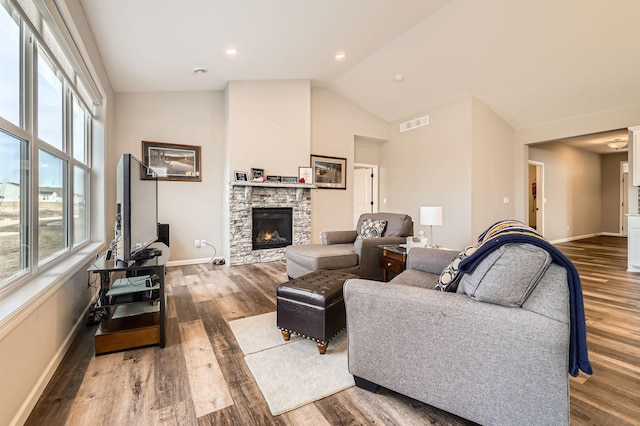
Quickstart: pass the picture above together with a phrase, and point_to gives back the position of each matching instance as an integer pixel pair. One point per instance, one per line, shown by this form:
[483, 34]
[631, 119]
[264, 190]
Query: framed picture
[241, 176]
[305, 173]
[172, 161]
[274, 178]
[329, 172]
[257, 173]
[289, 179]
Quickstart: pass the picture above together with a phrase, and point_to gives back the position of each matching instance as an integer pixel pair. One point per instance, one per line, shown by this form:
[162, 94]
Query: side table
[392, 259]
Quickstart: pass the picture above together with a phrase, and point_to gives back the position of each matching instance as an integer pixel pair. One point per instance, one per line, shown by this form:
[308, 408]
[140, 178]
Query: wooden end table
[392, 259]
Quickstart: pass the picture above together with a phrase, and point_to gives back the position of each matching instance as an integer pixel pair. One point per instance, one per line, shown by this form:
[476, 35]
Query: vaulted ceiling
[532, 62]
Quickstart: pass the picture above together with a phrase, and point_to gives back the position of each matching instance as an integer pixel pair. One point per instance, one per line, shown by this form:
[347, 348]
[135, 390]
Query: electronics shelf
[131, 302]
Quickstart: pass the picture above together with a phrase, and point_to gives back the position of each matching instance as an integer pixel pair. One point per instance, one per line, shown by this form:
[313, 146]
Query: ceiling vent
[414, 124]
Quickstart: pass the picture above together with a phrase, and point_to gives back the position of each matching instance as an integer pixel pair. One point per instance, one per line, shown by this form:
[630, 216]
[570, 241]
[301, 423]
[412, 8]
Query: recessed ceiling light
[398, 78]
[231, 51]
[199, 71]
[340, 56]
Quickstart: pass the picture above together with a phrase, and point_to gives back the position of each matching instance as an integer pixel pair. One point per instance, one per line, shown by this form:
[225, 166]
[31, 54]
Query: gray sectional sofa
[344, 251]
[495, 352]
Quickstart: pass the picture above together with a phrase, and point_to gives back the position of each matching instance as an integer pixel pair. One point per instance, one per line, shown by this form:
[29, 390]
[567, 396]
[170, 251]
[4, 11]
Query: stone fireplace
[247, 244]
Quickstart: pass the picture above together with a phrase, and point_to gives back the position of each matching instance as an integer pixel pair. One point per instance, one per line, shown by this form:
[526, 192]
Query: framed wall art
[241, 176]
[305, 173]
[172, 161]
[329, 172]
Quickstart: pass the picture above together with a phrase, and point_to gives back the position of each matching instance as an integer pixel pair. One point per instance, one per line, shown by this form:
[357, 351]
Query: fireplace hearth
[272, 227]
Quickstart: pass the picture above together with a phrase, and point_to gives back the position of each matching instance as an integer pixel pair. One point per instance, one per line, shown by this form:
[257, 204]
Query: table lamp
[430, 216]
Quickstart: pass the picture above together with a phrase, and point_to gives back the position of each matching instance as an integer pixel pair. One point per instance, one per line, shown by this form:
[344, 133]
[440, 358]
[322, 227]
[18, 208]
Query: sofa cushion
[416, 278]
[319, 256]
[372, 229]
[507, 275]
[450, 276]
[398, 225]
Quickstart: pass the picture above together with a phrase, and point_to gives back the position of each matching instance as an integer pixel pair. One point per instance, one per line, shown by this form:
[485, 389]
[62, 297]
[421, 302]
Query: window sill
[15, 307]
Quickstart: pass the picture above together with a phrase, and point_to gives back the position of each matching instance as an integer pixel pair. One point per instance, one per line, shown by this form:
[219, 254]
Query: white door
[624, 196]
[362, 192]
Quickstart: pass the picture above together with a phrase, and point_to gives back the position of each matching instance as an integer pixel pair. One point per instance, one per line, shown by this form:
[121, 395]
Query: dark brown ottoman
[312, 306]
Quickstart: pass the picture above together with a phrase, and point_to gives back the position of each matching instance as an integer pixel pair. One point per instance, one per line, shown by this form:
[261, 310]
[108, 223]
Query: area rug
[290, 374]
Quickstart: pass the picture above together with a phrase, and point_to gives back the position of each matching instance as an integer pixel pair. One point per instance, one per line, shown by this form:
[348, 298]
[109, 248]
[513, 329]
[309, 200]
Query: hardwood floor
[200, 377]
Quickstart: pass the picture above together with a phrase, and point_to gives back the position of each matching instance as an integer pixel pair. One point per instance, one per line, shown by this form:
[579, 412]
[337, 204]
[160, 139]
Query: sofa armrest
[369, 255]
[338, 237]
[429, 259]
[457, 354]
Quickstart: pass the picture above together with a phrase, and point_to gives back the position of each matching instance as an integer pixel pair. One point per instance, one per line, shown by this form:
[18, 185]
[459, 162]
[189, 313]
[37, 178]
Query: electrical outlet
[203, 243]
[197, 243]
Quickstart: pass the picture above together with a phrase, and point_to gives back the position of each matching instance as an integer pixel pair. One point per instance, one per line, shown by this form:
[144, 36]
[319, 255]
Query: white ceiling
[533, 62]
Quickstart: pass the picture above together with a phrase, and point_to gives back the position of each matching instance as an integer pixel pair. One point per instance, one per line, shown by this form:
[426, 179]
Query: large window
[45, 142]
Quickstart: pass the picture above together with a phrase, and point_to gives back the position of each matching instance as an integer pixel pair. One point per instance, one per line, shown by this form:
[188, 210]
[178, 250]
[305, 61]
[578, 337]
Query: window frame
[31, 46]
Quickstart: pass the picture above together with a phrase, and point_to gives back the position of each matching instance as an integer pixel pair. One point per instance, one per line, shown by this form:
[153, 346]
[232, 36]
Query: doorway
[536, 196]
[365, 190]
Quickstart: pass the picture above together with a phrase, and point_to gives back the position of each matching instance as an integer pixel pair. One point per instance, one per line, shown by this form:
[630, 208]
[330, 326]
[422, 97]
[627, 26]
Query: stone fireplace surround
[244, 196]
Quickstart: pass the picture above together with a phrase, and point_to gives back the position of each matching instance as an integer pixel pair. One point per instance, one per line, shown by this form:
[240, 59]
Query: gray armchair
[489, 363]
[343, 251]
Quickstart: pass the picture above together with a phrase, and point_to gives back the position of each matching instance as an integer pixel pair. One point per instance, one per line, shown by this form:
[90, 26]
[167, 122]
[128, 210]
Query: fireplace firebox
[272, 227]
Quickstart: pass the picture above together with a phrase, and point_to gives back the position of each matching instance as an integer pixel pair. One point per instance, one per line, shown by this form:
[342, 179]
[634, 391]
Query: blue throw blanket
[578, 356]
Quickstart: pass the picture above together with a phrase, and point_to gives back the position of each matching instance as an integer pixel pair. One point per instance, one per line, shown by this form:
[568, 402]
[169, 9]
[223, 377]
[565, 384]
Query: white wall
[193, 210]
[492, 167]
[572, 189]
[335, 123]
[431, 166]
[268, 125]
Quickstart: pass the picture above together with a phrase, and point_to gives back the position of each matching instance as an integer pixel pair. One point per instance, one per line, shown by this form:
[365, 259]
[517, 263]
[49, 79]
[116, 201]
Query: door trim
[540, 197]
[376, 182]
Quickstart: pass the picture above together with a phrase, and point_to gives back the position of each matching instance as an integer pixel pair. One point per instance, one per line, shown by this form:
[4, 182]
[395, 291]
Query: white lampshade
[430, 215]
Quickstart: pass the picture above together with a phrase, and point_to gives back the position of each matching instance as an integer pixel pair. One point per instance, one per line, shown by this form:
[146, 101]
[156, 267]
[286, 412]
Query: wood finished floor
[200, 377]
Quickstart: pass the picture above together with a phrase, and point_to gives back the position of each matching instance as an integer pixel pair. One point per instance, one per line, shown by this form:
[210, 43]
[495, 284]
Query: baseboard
[582, 237]
[25, 409]
[189, 261]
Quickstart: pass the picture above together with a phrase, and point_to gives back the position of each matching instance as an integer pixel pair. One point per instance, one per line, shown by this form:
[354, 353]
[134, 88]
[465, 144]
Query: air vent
[414, 124]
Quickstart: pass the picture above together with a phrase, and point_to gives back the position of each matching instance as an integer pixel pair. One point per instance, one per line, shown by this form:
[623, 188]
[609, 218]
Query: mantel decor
[329, 172]
[172, 161]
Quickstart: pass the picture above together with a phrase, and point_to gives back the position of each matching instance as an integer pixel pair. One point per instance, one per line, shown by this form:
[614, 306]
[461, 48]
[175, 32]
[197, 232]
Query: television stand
[131, 305]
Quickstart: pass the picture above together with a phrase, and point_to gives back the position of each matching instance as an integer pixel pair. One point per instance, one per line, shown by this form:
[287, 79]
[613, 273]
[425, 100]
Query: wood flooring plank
[171, 371]
[209, 390]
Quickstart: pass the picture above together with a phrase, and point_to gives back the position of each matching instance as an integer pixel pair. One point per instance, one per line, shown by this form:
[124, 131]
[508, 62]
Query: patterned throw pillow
[372, 228]
[450, 277]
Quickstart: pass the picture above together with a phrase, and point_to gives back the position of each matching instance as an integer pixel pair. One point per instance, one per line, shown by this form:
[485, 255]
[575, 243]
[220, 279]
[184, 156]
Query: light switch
[505, 200]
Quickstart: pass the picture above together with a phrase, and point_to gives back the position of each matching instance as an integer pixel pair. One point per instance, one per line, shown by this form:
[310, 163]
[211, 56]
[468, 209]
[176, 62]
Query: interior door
[362, 193]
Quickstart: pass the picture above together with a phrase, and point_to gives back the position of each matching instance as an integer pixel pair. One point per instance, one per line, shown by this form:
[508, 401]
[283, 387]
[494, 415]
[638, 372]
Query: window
[9, 66]
[49, 103]
[13, 208]
[79, 131]
[45, 146]
[51, 206]
[80, 218]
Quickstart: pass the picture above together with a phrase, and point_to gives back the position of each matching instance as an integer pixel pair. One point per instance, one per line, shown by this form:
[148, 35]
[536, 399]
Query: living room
[469, 159]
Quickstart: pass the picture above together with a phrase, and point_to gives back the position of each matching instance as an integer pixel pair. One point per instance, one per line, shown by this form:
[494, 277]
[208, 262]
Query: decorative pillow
[507, 275]
[372, 229]
[450, 277]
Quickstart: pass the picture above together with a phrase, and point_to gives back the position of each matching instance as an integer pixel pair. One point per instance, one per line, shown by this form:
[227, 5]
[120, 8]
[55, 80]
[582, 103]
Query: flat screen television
[136, 208]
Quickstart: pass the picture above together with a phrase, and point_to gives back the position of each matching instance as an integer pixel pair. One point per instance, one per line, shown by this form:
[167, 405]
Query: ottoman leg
[285, 335]
[322, 348]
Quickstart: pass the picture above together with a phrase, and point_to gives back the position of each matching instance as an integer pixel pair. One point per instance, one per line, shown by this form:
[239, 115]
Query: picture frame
[172, 161]
[306, 173]
[241, 176]
[257, 173]
[329, 172]
[274, 179]
[289, 179]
